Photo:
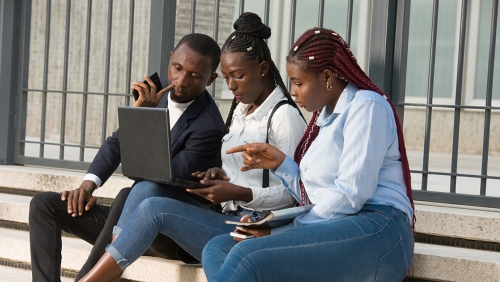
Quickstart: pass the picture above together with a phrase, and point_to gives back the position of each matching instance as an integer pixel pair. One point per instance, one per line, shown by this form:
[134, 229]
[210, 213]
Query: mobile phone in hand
[156, 79]
[241, 236]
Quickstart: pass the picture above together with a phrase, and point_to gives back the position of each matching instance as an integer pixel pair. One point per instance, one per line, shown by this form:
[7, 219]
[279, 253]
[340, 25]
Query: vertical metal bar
[489, 93]
[430, 94]
[11, 17]
[193, 15]
[321, 12]
[161, 35]
[293, 13]
[65, 81]
[130, 50]
[216, 37]
[106, 73]
[401, 55]
[85, 80]
[382, 36]
[348, 28]
[266, 12]
[242, 6]
[22, 79]
[45, 78]
[458, 94]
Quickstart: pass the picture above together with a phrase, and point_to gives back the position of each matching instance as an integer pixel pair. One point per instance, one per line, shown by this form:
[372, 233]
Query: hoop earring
[328, 86]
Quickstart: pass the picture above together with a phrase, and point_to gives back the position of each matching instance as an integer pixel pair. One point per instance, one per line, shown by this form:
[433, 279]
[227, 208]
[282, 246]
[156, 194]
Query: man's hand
[214, 173]
[222, 191]
[148, 94]
[259, 155]
[80, 198]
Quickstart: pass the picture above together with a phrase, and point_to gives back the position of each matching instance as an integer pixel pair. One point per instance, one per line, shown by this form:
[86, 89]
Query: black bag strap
[265, 176]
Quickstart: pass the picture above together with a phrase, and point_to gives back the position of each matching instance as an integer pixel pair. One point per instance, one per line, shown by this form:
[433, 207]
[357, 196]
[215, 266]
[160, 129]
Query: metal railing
[388, 51]
[452, 196]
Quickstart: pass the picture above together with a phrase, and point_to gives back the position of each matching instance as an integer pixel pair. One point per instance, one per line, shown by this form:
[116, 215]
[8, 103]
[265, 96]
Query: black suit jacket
[195, 139]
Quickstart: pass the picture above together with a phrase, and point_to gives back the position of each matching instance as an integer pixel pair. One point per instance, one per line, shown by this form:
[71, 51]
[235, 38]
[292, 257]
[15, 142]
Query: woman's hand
[149, 96]
[259, 155]
[257, 232]
[214, 173]
[222, 191]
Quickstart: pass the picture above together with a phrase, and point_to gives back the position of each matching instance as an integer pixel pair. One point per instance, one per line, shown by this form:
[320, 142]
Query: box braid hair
[248, 38]
[319, 49]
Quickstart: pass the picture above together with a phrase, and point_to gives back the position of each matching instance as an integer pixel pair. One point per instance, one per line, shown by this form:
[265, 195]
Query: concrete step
[13, 274]
[473, 223]
[14, 245]
[14, 208]
[457, 221]
[40, 179]
[443, 263]
[431, 262]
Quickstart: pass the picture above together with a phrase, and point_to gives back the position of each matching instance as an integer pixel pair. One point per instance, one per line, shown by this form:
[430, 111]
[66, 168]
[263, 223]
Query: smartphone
[156, 79]
[242, 236]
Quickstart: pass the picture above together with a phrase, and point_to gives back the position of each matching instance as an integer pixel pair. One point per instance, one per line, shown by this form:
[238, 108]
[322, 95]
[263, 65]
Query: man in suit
[197, 131]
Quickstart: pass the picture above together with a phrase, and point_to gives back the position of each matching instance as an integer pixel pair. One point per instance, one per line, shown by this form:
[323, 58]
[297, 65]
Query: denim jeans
[376, 244]
[153, 208]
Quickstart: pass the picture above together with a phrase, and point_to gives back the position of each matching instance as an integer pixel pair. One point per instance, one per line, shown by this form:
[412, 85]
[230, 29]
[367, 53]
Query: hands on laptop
[214, 173]
[220, 190]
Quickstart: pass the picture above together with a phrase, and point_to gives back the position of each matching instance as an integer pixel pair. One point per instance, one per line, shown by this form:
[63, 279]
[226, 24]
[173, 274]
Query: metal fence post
[10, 15]
[382, 36]
[161, 35]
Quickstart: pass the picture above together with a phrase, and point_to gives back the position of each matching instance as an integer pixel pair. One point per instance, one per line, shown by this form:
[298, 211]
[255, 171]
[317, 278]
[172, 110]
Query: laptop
[145, 147]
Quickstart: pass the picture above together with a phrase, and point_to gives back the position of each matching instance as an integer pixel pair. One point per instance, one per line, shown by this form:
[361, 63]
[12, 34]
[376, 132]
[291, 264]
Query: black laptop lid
[145, 143]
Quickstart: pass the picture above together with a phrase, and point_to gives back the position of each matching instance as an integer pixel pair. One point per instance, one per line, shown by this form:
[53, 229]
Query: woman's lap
[191, 227]
[147, 189]
[376, 243]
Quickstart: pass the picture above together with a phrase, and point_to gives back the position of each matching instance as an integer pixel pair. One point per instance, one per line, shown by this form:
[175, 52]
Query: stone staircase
[462, 243]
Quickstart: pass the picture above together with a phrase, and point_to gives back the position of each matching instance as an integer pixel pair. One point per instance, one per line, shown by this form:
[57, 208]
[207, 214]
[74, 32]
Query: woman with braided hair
[252, 76]
[355, 172]
[257, 86]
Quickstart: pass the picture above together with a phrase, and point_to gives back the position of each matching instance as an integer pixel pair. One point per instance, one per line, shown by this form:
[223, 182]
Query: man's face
[190, 72]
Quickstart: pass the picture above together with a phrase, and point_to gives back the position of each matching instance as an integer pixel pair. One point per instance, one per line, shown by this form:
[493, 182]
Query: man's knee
[123, 194]
[44, 202]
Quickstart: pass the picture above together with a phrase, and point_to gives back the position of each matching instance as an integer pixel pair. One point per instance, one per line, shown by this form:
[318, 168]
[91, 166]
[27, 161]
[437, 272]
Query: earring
[328, 86]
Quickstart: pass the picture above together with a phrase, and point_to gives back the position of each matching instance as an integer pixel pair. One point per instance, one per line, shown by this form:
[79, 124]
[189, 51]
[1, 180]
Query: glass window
[419, 48]
[483, 48]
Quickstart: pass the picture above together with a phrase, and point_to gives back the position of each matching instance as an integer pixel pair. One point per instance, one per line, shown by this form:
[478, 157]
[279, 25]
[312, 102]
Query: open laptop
[145, 147]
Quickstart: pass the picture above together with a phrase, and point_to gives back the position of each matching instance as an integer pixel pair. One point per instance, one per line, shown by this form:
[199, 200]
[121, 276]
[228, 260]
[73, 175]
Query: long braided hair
[319, 49]
[248, 38]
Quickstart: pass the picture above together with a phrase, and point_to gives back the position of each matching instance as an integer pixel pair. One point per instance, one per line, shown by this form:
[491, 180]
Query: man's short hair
[203, 45]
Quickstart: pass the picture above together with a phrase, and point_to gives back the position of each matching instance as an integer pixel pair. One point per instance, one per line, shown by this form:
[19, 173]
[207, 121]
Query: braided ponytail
[248, 38]
[319, 49]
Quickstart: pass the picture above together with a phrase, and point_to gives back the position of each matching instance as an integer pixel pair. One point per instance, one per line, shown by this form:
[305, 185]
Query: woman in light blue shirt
[355, 172]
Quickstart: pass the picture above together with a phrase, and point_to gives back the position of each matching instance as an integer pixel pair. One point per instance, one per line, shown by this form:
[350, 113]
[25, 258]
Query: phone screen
[156, 79]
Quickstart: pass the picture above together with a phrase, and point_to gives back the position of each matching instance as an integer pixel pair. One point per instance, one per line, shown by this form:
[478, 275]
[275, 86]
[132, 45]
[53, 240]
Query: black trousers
[48, 216]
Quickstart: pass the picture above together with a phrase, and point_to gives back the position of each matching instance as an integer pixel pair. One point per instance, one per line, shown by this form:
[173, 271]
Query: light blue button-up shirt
[354, 161]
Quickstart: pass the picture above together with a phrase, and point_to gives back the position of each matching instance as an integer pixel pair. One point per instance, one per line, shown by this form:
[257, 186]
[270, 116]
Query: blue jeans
[376, 244]
[153, 208]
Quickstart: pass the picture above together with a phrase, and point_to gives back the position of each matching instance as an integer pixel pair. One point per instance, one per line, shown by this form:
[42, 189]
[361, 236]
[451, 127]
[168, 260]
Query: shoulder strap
[265, 176]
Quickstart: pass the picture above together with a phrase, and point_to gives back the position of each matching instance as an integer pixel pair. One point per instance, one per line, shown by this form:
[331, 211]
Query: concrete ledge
[14, 208]
[442, 263]
[456, 221]
[75, 252]
[46, 179]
